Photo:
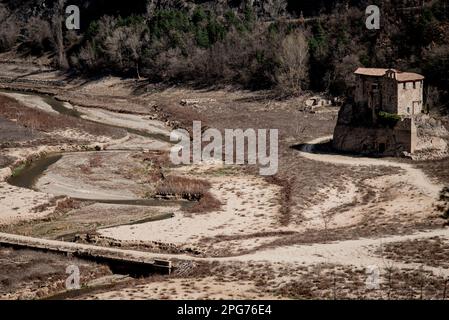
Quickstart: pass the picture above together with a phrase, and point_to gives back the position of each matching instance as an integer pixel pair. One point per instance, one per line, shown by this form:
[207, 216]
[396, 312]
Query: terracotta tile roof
[408, 76]
[380, 72]
[374, 72]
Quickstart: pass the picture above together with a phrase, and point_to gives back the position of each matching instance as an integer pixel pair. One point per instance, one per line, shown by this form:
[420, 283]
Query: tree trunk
[59, 37]
[137, 71]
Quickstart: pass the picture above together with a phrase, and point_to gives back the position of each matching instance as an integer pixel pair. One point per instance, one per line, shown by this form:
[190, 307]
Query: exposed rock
[422, 137]
[317, 101]
[189, 102]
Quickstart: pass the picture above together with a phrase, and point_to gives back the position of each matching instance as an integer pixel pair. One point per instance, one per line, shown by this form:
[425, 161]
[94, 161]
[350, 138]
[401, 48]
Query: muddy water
[27, 177]
[30, 174]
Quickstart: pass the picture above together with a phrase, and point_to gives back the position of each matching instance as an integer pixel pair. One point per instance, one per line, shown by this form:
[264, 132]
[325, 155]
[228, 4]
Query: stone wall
[421, 138]
[385, 141]
[413, 92]
[363, 88]
[389, 95]
[393, 97]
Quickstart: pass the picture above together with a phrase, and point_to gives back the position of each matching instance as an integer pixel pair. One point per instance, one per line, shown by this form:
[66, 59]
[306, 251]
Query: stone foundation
[394, 141]
[356, 134]
[421, 137]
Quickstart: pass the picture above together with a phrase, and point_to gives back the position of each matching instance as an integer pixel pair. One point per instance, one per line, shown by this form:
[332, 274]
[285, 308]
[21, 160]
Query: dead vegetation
[301, 181]
[5, 161]
[46, 122]
[437, 169]
[432, 252]
[178, 187]
[207, 203]
[93, 162]
[261, 280]
[188, 189]
[341, 282]
[72, 219]
[29, 274]
[182, 187]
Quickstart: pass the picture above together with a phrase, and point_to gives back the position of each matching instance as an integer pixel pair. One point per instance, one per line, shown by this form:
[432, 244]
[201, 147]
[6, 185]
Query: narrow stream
[27, 176]
[59, 107]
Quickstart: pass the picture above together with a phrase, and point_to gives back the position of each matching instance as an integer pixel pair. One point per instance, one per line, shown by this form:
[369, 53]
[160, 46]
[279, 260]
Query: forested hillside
[289, 46]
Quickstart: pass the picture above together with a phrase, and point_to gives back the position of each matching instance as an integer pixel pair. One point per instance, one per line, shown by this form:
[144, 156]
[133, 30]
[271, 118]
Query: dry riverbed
[309, 232]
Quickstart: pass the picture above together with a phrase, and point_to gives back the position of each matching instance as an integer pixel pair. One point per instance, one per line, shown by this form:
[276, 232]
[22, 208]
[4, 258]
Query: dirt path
[413, 176]
[351, 252]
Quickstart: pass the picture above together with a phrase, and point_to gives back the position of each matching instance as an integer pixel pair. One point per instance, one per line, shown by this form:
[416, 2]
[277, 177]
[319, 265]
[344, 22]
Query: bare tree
[292, 72]
[9, 29]
[57, 20]
[124, 45]
[133, 45]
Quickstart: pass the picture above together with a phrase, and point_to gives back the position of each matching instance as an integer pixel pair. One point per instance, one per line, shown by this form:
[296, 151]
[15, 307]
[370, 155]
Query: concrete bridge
[132, 262]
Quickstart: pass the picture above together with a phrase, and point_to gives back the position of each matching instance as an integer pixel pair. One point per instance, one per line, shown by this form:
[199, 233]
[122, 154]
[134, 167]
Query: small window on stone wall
[414, 85]
[408, 109]
[405, 85]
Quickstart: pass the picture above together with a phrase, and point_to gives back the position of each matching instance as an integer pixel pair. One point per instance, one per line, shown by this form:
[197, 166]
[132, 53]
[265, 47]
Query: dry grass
[189, 189]
[286, 200]
[182, 187]
[96, 161]
[432, 252]
[207, 203]
[47, 122]
[29, 274]
[437, 169]
[5, 161]
[11, 132]
[341, 283]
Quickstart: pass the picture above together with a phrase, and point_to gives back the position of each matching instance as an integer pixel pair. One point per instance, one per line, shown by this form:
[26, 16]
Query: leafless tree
[292, 72]
[57, 23]
[9, 29]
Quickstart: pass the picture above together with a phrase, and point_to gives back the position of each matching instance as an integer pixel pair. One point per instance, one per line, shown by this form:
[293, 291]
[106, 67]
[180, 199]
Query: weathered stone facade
[360, 129]
[390, 91]
[386, 141]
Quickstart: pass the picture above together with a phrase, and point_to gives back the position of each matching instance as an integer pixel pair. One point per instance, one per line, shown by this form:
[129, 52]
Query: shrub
[207, 203]
[186, 188]
[9, 30]
[388, 119]
[37, 37]
[189, 189]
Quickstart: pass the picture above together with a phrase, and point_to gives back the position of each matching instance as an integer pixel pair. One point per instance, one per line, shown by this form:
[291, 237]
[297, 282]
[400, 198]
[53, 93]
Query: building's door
[382, 147]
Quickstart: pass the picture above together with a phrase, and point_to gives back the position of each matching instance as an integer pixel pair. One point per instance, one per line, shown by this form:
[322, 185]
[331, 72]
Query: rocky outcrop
[422, 137]
[432, 139]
